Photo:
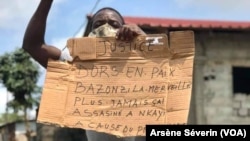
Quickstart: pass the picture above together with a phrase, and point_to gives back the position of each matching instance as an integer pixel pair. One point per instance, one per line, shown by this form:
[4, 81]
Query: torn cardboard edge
[53, 107]
[110, 48]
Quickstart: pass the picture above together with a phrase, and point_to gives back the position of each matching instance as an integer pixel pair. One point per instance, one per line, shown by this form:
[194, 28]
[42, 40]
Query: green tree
[19, 74]
[11, 117]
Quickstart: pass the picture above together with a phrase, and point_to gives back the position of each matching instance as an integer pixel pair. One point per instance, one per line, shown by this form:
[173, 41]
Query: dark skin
[34, 43]
[125, 32]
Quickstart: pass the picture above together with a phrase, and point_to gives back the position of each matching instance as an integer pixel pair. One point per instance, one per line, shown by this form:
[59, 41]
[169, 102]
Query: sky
[67, 19]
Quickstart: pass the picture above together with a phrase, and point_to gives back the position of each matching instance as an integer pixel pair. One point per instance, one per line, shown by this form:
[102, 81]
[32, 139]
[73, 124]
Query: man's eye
[97, 24]
[115, 24]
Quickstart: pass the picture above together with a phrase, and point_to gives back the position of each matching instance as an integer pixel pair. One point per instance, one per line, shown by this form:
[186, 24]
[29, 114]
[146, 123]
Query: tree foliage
[19, 74]
[11, 117]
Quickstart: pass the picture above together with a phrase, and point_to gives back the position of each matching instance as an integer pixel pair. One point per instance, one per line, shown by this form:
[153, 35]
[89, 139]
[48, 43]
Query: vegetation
[19, 74]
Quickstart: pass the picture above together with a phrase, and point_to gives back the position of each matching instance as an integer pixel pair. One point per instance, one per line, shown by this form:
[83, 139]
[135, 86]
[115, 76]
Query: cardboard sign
[118, 87]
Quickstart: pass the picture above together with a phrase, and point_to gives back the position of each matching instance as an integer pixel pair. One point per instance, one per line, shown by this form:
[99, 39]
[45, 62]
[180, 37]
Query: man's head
[107, 15]
[105, 22]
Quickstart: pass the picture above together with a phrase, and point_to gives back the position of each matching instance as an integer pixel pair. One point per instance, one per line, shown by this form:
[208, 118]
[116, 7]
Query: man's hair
[111, 9]
[89, 25]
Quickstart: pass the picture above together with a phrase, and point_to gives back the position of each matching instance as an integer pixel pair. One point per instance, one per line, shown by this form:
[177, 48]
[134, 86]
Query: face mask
[103, 31]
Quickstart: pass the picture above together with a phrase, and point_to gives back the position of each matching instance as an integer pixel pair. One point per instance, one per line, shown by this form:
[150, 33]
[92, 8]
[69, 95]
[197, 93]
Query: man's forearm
[33, 41]
[35, 32]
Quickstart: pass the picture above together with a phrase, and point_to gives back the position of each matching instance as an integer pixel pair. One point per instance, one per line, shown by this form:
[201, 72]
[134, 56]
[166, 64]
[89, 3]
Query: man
[35, 45]
[106, 22]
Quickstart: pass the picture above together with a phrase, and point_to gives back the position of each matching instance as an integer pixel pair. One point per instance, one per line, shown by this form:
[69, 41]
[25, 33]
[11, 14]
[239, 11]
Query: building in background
[7, 132]
[16, 131]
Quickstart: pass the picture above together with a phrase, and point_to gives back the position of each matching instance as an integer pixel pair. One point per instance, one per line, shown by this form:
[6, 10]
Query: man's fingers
[119, 34]
[130, 35]
[126, 33]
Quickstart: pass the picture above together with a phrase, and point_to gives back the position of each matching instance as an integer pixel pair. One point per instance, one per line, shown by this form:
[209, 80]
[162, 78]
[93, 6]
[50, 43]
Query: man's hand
[128, 32]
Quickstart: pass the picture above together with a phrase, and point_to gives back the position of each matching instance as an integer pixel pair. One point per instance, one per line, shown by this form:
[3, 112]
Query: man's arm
[33, 41]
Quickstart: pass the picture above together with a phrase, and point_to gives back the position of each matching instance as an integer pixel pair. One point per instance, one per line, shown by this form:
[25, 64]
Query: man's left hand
[128, 32]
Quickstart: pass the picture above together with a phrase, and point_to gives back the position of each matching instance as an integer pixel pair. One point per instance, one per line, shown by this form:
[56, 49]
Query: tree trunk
[27, 125]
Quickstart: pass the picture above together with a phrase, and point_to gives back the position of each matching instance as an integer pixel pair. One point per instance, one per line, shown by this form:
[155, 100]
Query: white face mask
[103, 31]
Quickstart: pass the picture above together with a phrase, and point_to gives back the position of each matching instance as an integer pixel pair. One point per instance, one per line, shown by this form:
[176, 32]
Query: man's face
[107, 16]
